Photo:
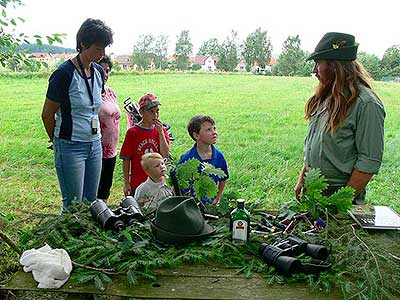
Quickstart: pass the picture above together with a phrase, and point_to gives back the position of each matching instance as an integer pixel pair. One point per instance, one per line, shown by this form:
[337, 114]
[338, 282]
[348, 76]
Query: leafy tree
[292, 60]
[183, 50]
[160, 51]
[210, 47]
[143, 51]
[371, 63]
[257, 49]
[171, 65]
[228, 55]
[391, 61]
[196, 67]
[10, 39]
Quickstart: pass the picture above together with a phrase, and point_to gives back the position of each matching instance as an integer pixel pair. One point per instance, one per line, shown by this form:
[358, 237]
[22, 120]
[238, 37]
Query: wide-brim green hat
[178, 220]
[335, 46]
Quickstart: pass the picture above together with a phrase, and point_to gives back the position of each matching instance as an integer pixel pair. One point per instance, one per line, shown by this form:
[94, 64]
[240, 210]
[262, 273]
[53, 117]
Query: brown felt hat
[335, 46]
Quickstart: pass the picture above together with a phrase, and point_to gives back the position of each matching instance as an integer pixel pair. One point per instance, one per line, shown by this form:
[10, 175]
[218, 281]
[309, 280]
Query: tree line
[151, 51]
[256, 50]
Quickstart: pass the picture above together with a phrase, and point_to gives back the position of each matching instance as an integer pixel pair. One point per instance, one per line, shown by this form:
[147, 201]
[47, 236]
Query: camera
[94, 124]
[124, 215]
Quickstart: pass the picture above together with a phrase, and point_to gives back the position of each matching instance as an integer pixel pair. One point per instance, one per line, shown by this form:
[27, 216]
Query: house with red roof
[207, 63]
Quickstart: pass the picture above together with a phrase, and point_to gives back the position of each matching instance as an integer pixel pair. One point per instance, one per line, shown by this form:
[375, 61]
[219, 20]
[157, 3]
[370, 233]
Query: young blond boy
[154, 189]
[147, 136]
[203, 130]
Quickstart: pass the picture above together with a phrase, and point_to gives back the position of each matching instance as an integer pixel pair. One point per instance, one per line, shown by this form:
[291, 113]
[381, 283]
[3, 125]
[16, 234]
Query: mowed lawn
[260, 125]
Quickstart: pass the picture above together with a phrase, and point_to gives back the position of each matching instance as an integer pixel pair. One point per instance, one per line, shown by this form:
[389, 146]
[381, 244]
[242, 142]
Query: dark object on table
[178, 220]
[281, 254]
[124, 215]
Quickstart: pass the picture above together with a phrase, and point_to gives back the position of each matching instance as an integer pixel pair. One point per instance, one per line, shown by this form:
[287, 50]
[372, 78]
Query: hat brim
[345, 53]
[174, 238]
[151, 105]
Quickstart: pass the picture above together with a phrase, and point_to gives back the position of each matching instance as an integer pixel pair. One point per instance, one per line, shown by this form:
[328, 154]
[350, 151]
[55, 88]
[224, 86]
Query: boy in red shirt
[147, 136]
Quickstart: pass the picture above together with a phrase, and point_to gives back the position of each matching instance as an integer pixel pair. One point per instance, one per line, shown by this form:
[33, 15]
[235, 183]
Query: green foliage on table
[364, 263]
[97, 253]
[313, 200]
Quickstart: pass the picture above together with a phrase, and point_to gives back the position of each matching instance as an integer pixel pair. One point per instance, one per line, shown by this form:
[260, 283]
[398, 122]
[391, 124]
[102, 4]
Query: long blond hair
[342, 94]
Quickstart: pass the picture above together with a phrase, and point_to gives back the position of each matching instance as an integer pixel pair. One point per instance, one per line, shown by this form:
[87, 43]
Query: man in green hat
[346, 119]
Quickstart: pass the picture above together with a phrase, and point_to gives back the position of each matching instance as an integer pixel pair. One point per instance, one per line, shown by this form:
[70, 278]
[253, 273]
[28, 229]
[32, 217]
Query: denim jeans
[78, 166]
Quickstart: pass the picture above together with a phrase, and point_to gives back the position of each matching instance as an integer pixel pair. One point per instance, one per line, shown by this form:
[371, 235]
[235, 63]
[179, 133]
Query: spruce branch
[107, 271]
[10, 242]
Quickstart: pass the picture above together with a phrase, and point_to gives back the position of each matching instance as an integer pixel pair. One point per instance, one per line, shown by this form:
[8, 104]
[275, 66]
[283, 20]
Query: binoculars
[281, 254]
[124, 215]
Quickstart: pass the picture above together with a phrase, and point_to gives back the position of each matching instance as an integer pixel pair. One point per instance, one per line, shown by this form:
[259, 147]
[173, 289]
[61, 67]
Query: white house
[207, 63]
[124, 61]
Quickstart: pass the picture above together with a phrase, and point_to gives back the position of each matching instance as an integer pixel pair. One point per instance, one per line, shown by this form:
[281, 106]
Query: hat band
[343, 53]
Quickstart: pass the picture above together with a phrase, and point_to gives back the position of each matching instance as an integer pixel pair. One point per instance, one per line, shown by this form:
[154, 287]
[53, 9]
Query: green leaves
[341, 201]
[205, 187]
[196, 176]
[13, 39]
[314, 182]
[186, 172]
[209, 169]
[315, 202]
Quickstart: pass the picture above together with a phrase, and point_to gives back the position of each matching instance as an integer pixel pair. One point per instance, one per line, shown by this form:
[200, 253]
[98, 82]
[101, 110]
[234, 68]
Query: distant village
[124, 62]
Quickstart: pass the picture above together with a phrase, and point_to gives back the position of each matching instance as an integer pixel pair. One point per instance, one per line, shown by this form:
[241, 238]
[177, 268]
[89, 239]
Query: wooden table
[187, 282]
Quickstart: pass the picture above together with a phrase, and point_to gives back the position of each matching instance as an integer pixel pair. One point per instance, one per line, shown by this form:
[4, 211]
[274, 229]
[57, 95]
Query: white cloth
[50, 267]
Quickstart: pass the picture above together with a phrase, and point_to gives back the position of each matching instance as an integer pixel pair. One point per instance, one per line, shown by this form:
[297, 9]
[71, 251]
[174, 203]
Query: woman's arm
[48, 116]
[359, 180]
[298, 188]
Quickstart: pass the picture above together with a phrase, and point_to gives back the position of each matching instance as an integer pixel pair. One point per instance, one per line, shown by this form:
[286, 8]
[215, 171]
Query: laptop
[375, 217]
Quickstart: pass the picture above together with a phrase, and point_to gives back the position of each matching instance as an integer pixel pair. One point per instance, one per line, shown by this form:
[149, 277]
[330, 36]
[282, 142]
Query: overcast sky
[375, 24]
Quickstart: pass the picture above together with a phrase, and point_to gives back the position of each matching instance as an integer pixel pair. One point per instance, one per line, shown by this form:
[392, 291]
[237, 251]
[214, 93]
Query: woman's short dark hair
[106, 60]
[93, 32]
[195, 123]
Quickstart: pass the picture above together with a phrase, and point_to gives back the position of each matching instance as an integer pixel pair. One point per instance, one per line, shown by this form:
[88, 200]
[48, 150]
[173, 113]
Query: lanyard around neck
[86, 80]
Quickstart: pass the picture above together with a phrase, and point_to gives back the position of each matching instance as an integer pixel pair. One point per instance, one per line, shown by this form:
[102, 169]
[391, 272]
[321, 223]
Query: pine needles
[365, 264]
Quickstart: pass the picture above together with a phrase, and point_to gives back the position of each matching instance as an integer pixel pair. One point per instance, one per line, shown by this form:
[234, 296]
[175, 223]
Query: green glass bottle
[240, 223]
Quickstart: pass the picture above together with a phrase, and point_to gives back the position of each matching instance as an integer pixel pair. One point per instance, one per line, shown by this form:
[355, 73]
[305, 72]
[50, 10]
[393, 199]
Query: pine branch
[10, 242]
[107, 271]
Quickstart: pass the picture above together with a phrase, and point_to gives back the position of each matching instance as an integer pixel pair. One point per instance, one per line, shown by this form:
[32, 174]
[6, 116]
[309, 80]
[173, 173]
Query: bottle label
[239, 230]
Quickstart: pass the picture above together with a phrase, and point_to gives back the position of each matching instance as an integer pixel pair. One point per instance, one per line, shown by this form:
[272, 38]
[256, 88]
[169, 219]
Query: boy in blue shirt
[202, 129]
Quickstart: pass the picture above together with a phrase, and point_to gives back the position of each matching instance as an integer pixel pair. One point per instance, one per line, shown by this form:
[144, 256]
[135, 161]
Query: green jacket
[357, 144]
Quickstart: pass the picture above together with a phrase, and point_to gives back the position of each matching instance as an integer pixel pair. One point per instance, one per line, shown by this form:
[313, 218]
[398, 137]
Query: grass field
[260, 124]
[261, 132]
